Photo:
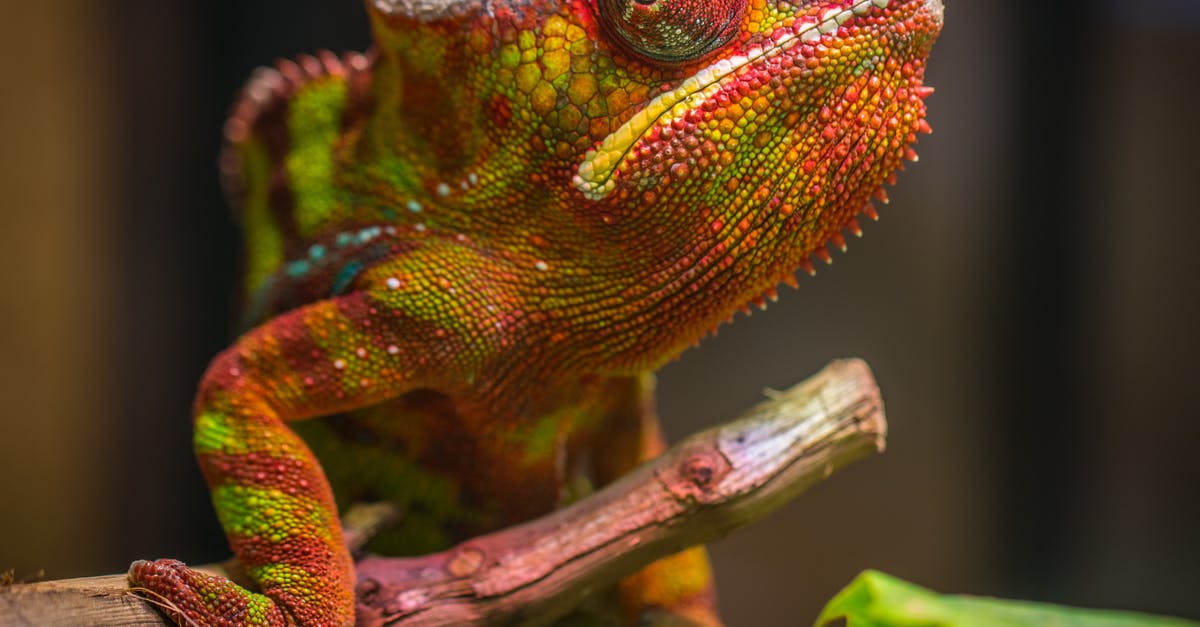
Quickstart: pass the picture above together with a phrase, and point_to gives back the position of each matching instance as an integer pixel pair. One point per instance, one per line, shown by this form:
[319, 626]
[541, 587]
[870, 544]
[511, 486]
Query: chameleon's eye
[672, 30]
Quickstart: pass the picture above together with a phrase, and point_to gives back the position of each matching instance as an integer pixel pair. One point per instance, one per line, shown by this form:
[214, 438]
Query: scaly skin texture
[471, 246]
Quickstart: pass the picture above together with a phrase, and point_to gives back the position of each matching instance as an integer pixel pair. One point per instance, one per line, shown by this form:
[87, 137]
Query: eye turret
[672, 31]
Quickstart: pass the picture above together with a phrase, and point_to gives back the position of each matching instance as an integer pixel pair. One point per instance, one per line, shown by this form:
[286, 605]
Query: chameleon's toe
[191, 597]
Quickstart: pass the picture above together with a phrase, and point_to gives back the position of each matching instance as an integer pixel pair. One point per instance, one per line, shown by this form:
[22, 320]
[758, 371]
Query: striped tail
[279, 139]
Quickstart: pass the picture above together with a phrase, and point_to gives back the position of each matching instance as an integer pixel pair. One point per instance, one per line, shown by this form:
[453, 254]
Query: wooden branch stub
[698, 491]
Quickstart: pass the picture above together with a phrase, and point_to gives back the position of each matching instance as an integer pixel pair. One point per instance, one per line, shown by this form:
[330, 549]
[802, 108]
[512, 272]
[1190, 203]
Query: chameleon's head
[691, 130]
[794, 108]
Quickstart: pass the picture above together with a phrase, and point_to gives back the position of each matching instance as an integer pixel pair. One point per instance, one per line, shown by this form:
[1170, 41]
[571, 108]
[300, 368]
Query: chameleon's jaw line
[595, 176]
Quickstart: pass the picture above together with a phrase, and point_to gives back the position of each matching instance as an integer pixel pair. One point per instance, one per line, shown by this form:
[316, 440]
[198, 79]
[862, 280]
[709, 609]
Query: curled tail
[276, 165]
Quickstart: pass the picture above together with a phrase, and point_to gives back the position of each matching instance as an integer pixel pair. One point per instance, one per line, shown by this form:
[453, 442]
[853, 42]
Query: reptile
[468, 249]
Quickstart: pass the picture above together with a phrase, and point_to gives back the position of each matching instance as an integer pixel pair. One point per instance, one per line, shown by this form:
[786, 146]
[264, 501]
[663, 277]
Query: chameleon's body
[474, 243]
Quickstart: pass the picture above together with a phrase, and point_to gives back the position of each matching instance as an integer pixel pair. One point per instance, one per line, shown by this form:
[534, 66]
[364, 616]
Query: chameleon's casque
[470, 246]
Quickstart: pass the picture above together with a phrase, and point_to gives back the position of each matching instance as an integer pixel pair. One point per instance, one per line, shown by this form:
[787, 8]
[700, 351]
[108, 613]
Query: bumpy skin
[472, 244]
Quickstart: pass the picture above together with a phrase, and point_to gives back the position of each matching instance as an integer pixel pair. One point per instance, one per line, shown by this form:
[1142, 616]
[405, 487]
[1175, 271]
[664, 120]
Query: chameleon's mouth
[596, 175]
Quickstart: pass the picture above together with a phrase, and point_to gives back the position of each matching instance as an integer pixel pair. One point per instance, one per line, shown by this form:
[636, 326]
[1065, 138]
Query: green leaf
[875, 599]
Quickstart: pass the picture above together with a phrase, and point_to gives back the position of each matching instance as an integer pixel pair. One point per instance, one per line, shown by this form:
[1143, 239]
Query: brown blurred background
[1028, 302]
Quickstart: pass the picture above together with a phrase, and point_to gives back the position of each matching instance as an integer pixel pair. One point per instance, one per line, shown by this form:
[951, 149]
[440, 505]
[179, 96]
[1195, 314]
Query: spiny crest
[823, 253]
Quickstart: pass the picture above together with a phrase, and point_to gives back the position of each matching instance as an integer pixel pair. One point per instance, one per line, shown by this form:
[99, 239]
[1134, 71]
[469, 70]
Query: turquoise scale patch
[345, 277]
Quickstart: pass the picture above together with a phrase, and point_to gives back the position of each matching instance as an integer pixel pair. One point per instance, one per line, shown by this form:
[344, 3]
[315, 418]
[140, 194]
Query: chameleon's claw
[192, 597]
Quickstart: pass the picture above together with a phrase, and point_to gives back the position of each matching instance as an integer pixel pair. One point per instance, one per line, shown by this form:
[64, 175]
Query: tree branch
[698, 491]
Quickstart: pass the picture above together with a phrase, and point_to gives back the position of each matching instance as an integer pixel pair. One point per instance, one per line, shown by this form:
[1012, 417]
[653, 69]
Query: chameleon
[468, 249]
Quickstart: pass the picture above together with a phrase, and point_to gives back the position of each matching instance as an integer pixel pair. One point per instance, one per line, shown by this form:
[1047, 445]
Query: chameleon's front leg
[269, 492]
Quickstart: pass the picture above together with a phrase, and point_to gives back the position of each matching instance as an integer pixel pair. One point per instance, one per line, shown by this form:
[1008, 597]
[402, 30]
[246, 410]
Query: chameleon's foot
[672, 592]
[191, 597]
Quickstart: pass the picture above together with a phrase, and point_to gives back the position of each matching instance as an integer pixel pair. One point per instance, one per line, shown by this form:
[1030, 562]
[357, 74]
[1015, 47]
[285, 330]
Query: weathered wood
[698, 491]
[85, 601]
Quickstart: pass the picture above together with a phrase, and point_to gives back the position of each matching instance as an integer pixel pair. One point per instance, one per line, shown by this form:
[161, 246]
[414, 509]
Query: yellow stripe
[595, 175]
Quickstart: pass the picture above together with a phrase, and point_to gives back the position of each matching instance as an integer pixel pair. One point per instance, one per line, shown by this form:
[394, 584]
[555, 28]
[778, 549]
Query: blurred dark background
[1029, 303]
